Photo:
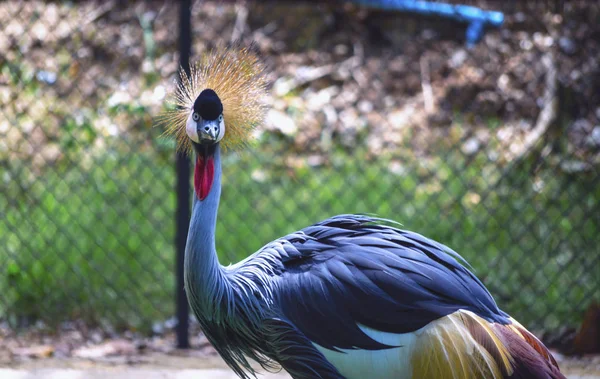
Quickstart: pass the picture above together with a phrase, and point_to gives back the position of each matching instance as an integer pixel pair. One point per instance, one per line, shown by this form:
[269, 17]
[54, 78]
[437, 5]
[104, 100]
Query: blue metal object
[476, 18]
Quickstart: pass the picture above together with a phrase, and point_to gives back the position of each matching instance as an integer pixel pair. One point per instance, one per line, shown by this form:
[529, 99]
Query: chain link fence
[493, 151]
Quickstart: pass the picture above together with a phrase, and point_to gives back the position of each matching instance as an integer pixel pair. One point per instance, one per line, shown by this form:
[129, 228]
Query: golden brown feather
[236, 74]
[460, 345]
[536, 344]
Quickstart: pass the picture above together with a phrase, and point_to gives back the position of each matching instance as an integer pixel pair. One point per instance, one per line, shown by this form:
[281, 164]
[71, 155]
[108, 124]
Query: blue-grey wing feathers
[350, 270]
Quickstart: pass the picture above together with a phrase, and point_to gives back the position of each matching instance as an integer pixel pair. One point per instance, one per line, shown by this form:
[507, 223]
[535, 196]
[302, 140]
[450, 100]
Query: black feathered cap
[208, 105]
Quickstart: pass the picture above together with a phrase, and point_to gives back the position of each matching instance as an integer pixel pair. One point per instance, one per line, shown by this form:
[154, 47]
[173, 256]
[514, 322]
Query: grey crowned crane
[348, 297]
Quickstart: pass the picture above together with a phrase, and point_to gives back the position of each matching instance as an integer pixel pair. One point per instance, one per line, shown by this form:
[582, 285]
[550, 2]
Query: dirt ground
[74, 355]
[181, 364]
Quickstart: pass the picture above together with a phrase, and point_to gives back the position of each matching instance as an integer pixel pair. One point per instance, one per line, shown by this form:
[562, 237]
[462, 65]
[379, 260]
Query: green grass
[90, 243]
[95, 242]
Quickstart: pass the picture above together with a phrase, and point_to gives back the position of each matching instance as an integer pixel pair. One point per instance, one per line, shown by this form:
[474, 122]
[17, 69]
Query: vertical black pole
[183, 190]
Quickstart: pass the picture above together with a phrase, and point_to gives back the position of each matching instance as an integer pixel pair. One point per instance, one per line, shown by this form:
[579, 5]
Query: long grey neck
[205, 284]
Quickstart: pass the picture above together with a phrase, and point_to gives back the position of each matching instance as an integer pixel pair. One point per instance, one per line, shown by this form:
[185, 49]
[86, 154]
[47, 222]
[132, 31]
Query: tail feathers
[532, 360]
[460, 345]
[463, 345]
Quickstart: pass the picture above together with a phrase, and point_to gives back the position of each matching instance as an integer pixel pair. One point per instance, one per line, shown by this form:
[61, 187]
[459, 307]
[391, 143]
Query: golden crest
[236, 74]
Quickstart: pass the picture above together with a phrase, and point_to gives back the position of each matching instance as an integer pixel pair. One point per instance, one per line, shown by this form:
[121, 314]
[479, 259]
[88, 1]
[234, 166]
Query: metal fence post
[182, 214]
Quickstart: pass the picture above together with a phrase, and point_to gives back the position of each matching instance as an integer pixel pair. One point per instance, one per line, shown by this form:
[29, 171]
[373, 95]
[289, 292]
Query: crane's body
[349, 297]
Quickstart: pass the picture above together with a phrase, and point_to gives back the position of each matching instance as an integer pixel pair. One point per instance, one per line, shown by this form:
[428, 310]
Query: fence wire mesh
[493, 151]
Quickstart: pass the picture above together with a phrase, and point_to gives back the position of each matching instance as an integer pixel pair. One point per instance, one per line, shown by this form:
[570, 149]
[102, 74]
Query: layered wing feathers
[351, 269]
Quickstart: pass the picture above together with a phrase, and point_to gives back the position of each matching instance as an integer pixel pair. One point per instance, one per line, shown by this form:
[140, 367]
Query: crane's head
[205, 124]
[220, 101]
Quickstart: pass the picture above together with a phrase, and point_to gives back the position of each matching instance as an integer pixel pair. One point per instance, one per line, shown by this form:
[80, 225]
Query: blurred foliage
[88, 186]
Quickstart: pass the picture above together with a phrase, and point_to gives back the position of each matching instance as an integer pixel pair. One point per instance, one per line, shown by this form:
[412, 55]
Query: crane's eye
[195, 116]
[221, 118]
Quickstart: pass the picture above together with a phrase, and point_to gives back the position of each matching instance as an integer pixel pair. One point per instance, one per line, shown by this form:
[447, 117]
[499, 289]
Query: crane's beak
[209, 131]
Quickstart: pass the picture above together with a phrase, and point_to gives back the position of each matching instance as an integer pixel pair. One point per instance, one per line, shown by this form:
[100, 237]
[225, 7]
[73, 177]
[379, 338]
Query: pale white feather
[191, 128]
[376, 364]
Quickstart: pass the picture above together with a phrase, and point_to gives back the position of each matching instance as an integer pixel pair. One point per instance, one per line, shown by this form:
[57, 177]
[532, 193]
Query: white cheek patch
[191, 130]
[221, 131]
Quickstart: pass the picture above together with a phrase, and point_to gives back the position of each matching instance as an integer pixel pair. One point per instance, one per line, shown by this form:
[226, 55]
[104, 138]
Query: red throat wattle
[203, 176]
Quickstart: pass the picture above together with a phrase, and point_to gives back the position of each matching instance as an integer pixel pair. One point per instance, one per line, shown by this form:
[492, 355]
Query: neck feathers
[205, 284]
